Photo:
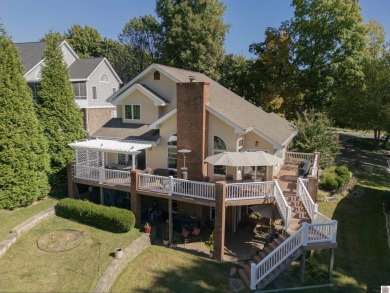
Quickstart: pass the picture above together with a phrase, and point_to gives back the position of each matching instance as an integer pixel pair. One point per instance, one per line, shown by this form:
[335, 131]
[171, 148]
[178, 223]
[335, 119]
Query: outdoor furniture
[193, 236]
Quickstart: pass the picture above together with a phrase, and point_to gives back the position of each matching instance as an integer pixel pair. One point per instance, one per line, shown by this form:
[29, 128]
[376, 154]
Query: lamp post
[184, 168]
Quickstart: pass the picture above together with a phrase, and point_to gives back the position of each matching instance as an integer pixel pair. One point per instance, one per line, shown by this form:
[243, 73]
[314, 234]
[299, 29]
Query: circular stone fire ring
[60, 240]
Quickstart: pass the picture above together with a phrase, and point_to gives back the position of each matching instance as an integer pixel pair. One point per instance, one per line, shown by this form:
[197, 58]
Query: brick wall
[192, 98]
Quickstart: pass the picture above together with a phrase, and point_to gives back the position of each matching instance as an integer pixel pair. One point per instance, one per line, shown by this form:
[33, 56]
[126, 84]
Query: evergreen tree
[193, 34]
[24, 162]
[57, 110]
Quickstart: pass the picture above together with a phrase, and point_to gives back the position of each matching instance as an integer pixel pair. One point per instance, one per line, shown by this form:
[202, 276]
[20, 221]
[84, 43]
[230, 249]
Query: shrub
[342, 171]
[329, 182]
[107, 218]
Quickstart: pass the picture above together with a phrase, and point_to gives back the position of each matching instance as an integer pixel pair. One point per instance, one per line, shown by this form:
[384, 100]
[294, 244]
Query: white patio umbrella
[244, 159]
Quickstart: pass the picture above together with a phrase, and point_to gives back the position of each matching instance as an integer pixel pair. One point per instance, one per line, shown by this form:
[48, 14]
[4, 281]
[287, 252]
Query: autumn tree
[57, 111]
[24, 162]
[192, 34]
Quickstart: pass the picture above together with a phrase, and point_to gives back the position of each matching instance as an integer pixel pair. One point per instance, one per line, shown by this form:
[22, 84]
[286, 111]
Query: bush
[329, 182]
[343, 172]
[108, 218]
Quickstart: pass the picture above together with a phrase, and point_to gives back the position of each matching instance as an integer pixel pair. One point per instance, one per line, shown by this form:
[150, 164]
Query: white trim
[70, 49]
[157, 101]
[139, 76]
[114, 146]
[132, 112]
[156, 124]
[77, 79]
[32, 69]
[40, 73]
[237, 128]
[105, 81]
[98, 107]
[109, 67]
[288, 140]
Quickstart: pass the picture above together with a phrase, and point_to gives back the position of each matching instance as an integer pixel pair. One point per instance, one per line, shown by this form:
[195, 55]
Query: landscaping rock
[236, 285]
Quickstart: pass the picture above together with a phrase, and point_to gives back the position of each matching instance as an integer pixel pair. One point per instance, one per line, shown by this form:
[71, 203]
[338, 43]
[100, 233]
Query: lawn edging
[108, 278]
[24, 227]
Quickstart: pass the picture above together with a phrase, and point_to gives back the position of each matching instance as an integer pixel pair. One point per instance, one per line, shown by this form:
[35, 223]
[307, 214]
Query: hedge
[108, 218]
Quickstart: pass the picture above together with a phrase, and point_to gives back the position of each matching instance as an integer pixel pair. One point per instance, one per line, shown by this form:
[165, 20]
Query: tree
[61, 119]
[24, 162]
[329, 38]
[313, 136]
[192, 34]
[274, 73]
[85, 41]
[141, 36]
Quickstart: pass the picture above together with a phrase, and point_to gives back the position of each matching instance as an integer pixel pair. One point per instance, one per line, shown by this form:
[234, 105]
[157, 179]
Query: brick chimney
[192, 122]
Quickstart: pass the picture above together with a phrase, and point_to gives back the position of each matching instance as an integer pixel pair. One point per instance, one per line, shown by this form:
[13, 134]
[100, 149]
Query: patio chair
[193, 236]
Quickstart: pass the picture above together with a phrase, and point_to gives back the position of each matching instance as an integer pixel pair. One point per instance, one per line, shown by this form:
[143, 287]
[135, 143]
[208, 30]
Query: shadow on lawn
[362, 256]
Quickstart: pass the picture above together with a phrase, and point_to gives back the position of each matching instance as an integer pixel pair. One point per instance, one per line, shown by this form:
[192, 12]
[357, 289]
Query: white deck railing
[307, 201]
[249, 190]
[293, 157]
[102, 175]
[198, 189]
[314, 168]
[154, 183]
[307, 234]
[283, 207]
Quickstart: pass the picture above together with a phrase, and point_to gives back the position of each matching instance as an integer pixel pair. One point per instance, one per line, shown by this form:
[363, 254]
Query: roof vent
[192, 78]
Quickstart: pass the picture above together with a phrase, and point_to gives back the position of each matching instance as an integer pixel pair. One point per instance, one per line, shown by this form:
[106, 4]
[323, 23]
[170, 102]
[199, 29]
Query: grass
[10, 219]
[379, 178]
[26, 268]
[163, 270]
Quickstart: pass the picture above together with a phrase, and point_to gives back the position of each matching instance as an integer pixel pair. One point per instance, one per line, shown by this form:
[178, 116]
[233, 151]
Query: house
[93, 81]
[170, 120]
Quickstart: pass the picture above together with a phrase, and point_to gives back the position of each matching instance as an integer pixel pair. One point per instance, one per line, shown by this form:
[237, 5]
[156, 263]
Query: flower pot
[118, 253]
[166, 242]
[148, 229]
[211, 254]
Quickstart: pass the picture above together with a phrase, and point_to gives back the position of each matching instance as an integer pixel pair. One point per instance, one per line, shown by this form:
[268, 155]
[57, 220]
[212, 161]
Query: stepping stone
[236, 285]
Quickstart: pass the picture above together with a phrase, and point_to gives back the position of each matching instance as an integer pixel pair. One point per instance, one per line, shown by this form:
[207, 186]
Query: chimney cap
[192, 78]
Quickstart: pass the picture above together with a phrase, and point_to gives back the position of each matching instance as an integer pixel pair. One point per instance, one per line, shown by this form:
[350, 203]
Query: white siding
[104, 89]
[69, 58]
[31, 77]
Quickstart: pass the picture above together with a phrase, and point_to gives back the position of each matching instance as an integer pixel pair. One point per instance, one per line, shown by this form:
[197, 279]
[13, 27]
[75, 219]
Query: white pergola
[132, 148]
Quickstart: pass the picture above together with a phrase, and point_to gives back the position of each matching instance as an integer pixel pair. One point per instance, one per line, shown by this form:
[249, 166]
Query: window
[79, 90]
[38, 75]
[124, 159]
[133, 112]
[156, 75]
[103, 78]
[94, 93]
[172, 152]
[219, 147]
[35, 87]
[113, 90]
[240, 144]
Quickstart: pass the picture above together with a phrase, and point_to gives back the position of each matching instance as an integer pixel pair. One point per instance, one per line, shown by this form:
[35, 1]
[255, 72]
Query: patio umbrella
[244, 159]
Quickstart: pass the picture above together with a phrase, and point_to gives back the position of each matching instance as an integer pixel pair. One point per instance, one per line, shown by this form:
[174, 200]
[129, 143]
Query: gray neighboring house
[93, 81]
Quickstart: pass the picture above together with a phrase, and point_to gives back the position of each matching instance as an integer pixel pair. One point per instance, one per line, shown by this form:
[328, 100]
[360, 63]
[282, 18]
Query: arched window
[103, 78]
[38, 75]
[172, 152]
[156, 75]
[219, 147]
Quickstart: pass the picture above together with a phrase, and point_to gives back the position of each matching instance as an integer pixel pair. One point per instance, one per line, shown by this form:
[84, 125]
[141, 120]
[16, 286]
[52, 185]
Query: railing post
[253, 276]
[334, 231]
[315, 214]
[305, 234]
[170, 191]
[288, 220]
[101, 175]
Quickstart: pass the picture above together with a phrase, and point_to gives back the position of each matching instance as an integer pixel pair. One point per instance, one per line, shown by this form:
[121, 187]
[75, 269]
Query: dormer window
[103, 78]
[156, 75]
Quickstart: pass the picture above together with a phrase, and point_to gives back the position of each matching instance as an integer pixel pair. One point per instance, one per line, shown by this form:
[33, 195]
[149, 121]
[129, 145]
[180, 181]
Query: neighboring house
[93, 81]
[171, 120]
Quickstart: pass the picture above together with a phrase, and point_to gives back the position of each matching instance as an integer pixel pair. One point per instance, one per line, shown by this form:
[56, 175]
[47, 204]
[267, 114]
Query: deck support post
[135, 198]
[170, 223]
[101, 196]
[303, 267]
[331, 263]
[70, 171]
[219, 225]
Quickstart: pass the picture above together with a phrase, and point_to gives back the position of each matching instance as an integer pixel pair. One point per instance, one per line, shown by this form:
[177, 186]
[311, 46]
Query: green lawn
[160, 269]
[362, 256]
[10, 219]
[26, 268]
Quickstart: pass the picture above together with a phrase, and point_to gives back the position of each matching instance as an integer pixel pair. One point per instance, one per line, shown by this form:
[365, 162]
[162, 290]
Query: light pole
[184, 168]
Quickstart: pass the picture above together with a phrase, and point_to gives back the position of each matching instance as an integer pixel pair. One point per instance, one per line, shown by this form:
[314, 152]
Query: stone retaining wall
[24, 227]
[118, 265]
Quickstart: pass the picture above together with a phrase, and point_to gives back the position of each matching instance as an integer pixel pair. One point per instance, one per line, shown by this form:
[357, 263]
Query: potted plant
[210, 245]
[148, 170]
[147, 227]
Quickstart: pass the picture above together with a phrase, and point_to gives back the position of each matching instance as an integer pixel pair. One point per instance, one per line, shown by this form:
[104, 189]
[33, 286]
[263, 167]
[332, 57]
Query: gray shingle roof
[30, 54]
[115, 128]
[226, 103]
[82, 68]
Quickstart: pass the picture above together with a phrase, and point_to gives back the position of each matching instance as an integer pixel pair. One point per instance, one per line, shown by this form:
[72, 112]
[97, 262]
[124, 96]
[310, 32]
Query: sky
[28, 21]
